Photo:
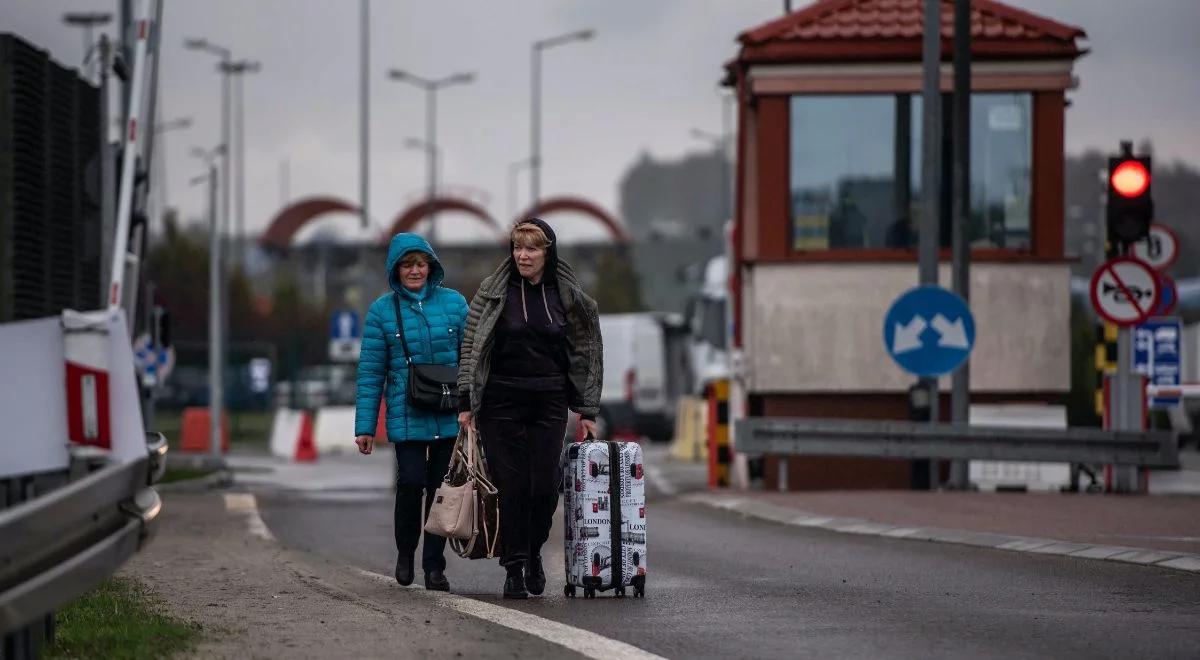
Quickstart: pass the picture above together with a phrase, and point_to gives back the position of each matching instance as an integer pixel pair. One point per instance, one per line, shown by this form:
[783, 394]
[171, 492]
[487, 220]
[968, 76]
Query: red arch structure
[409, 217]
[293, 217]
[579, 205]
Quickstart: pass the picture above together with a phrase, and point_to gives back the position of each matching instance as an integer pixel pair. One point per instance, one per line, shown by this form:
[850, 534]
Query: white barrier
[334, 429]
[990, 475]
[285, 432]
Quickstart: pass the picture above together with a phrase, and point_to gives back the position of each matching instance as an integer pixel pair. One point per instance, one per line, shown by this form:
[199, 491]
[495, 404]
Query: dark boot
[408, 531]
[514, 586]
[435, 580]
[535, 576]
[404, 569]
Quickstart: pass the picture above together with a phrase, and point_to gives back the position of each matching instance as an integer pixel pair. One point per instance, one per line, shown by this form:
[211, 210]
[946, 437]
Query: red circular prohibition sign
[1098, 289]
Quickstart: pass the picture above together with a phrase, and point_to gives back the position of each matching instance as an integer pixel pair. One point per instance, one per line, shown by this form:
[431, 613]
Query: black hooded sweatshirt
[531, 348]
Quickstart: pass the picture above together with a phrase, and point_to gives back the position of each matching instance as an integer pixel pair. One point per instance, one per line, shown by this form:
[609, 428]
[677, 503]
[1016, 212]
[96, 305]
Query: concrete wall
[818, 327]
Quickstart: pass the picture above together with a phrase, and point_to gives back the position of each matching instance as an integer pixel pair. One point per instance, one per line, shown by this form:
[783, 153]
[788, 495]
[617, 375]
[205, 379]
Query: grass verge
[247, 429]
[120, 619]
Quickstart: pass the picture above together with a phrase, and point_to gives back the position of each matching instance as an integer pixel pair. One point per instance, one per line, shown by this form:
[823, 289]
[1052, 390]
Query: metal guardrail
[56, 547]
[917, 440]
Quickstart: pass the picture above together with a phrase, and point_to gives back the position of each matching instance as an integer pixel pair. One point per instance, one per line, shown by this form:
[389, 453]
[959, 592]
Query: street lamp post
[158, 194]
[514, 170]
[239, 69]
[226, 58]
[535, 115]
[216, 348]
[432, 155]
[431, 88]
[88, 21]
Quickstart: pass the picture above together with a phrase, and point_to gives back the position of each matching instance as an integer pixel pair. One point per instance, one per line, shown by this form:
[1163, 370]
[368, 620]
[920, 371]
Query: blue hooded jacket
[434, 319]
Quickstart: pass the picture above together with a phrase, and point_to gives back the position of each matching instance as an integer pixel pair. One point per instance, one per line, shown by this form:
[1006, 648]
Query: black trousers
[420, 467]
[522, 433]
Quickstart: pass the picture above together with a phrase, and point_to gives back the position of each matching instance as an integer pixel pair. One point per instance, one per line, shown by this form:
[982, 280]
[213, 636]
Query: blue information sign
[1156, 344]
[344, 325]
[929, 331]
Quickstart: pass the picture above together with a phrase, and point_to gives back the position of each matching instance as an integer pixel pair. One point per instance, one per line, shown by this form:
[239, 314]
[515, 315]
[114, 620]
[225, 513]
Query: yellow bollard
[690, 437]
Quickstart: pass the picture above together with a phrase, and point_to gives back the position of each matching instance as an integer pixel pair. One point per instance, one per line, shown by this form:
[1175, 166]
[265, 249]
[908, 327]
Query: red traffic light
[1130, 179]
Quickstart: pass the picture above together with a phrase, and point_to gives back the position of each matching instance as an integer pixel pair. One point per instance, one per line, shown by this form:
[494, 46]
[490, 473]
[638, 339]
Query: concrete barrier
[334, 429]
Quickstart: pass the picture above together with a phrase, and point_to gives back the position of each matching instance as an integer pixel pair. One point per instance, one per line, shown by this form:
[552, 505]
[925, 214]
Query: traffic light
[1130, 207]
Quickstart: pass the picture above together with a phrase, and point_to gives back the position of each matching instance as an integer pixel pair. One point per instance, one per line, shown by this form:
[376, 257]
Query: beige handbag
[465, 508]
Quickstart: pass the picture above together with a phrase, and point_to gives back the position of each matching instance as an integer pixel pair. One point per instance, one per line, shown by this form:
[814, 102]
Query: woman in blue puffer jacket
[433, 317]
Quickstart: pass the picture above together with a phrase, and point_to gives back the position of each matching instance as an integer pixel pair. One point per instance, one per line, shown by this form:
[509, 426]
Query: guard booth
[829, 201]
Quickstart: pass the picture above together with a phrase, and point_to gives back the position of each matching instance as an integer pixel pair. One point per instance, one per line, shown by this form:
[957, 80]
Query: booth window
[856, 171]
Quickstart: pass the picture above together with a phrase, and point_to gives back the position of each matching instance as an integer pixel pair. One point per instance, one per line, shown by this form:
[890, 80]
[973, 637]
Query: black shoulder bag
[431, 387]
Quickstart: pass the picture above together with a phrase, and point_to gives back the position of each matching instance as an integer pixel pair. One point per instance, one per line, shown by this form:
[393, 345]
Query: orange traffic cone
[306, 451]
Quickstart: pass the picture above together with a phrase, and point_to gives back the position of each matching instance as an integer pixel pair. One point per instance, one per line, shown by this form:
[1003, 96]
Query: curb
[217, 480]
[1182, 561]
[195, 461]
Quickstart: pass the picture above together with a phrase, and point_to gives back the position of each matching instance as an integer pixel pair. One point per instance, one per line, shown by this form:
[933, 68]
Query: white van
[634, 401]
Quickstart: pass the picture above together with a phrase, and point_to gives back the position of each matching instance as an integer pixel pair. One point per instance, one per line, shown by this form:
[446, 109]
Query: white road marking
[583, 642]
[247, 505]
[660, 481]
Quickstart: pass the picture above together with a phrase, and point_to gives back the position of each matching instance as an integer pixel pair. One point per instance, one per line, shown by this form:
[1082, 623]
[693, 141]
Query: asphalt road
[721, 586]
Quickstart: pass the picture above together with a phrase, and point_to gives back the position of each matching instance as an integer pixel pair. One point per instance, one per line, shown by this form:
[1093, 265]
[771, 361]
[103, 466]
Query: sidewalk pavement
[214, 563]
[1155, 529]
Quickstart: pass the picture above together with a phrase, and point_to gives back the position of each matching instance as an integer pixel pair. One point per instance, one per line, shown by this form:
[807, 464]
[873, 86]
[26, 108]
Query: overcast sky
[647, 78]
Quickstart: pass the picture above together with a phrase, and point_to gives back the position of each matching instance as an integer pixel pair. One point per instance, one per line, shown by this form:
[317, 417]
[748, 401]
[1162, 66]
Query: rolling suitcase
[604, 510]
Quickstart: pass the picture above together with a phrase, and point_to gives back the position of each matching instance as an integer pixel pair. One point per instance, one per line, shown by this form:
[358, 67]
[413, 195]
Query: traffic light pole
[960, 393]
[1126, 412]
[1129, 210]
[931, 172]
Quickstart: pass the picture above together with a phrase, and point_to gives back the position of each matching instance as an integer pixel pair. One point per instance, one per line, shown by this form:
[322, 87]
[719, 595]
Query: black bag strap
[400, 328]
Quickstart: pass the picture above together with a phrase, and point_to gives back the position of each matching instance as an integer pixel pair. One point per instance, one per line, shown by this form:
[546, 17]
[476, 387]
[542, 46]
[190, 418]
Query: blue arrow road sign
[344, 325]
[928, 331]
[1156, 355]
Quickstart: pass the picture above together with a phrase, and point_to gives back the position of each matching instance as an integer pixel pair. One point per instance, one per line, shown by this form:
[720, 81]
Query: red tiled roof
[828, 27]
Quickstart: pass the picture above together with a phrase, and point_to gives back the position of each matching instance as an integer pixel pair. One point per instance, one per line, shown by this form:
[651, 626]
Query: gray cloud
[648, 77]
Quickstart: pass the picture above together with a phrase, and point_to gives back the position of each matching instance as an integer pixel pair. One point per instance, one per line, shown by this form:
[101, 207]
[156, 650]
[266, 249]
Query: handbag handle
[466, 449]
[471, 449]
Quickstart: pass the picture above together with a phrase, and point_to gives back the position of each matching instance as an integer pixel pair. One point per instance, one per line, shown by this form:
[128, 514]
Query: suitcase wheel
[569, 590]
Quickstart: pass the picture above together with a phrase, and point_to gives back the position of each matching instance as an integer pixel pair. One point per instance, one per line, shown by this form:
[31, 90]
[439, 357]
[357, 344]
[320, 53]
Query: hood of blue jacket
[401, 245]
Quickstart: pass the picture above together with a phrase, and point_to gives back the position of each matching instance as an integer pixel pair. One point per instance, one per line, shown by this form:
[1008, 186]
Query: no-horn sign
[1125, 291]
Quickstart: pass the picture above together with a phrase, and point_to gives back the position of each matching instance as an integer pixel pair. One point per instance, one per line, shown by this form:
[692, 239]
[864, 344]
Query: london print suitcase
[604, 510]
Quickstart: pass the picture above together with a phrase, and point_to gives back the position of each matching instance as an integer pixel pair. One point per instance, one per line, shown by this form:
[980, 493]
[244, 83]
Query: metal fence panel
[49, 223]
[900, 439]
